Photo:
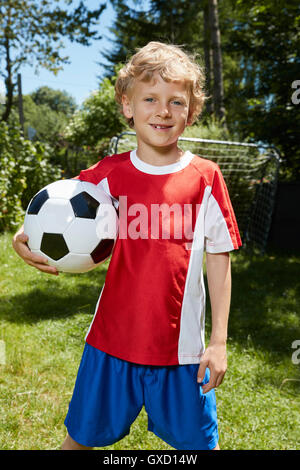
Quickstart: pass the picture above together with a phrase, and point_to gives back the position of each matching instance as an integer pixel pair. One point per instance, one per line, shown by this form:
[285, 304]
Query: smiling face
[160, 111]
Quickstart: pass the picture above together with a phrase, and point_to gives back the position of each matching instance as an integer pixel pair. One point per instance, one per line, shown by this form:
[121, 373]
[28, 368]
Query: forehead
[158, 85]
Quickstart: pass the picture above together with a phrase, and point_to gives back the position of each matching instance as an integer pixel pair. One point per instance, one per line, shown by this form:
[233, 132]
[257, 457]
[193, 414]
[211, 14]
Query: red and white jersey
[151, 309]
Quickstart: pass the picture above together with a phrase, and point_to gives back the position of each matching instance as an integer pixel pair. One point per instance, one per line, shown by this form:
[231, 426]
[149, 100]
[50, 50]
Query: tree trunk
[218, 90]
[208, 61]
[8, 80]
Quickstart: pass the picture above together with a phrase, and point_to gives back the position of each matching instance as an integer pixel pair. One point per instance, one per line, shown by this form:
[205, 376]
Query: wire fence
[251, 175]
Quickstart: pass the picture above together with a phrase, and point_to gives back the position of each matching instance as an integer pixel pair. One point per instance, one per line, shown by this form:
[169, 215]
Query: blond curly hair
[173, 64]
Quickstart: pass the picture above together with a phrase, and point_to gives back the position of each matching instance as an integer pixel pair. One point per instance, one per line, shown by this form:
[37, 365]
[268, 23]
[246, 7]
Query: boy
[145, 345]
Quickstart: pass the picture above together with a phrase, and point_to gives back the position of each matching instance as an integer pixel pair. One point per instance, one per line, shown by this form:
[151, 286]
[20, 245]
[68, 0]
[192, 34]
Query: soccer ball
[73, 223]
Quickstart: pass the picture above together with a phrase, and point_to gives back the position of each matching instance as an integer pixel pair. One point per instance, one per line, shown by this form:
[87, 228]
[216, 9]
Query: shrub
[24, 169]
[91, 128]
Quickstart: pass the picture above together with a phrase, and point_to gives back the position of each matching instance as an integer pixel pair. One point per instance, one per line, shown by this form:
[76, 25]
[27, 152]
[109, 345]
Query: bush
[46, 122]
[98, 118]
[24, 169]
[91, 128]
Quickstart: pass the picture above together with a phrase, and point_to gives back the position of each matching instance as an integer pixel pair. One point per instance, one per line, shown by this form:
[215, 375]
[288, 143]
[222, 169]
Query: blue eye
[149, 99]
[178, 103]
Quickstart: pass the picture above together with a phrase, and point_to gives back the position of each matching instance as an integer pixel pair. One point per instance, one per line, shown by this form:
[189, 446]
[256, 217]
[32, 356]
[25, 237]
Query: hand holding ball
[73, 223]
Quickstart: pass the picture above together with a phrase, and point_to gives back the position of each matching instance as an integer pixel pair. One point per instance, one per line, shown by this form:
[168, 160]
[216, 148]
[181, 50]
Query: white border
[160, 170]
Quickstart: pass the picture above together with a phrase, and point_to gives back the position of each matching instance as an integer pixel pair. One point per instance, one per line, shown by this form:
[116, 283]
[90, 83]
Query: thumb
[201, 370]
[22, 237]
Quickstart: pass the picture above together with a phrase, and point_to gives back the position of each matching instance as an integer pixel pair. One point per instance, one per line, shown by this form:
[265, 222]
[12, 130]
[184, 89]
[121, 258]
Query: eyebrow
[176, 97]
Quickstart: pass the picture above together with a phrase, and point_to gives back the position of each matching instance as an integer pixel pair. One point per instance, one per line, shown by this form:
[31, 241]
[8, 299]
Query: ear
[189, 121]
[127, 108]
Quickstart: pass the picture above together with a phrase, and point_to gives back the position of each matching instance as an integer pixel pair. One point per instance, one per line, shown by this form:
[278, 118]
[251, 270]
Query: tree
[215, 37]
[131, 29]
[264, 39]
[175, 21]
[98, 118]
[207, 59]
[31, 32]
[57, 100]
[251, 77]
[47, 123]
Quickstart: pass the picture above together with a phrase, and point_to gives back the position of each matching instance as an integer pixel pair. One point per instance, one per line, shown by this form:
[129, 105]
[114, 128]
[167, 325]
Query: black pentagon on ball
[37, 202]
[84, 205]
[102, 250]
[54, 245]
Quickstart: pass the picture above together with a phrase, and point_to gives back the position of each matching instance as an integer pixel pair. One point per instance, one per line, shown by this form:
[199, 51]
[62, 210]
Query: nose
[164, 111]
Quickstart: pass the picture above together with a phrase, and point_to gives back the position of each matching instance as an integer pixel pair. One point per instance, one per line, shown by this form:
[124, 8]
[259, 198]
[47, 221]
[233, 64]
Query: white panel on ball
[71, 263]
[81, 236]
[59, 189]
[107, 222]
[34, 231]
[76, 263]
[55, 215]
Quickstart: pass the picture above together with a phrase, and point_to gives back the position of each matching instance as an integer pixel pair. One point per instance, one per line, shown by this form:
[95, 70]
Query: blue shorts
[109, 394]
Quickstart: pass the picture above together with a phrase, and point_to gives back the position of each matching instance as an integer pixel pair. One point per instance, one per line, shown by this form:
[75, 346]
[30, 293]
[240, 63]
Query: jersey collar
[160, 170]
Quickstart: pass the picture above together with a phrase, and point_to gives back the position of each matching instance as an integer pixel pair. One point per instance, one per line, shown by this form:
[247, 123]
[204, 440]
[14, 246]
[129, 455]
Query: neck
[159, 156]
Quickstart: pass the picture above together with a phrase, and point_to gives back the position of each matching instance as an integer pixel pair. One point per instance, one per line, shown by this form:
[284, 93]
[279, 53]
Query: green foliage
[91, 128]
[260, 57]
[57, 100]
[47, 123]
[98, 118]
[210, 128]
[263, 38]
[32, 32]
[24, 169]
[175, 21]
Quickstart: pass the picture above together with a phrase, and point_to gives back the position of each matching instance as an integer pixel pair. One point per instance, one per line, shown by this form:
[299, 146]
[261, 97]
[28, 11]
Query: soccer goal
[251, 175]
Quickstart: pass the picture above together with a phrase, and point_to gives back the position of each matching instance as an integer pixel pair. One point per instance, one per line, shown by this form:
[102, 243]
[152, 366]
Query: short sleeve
[94, 173]
[220, 226]
[101, 174]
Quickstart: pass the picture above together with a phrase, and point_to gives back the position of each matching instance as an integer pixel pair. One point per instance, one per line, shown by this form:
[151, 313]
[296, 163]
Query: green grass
[43, 321]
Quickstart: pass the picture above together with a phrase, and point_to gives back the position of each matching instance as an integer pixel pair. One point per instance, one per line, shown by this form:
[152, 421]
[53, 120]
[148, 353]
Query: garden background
[250, 51]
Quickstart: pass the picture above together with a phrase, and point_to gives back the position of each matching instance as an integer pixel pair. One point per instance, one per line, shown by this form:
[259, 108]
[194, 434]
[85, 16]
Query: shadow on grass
[48, 297]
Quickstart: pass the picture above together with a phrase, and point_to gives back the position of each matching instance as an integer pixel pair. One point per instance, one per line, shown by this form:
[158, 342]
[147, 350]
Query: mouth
[161, 126]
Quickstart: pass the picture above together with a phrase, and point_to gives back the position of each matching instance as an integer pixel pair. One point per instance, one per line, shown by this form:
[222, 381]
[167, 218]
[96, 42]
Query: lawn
[43, 321]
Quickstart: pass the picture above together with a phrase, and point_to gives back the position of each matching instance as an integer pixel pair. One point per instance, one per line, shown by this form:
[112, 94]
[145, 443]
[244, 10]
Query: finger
[214, 382]
[22, 237]
[20, 245]
[211, 383]
[201, 371]
[36, 259]
[207, 387]
[220, 379]
[24, 251]
[44, 268]
[48, 269]
[33, 258]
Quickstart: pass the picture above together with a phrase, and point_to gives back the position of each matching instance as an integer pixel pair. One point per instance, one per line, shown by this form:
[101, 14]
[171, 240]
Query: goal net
[250, 172]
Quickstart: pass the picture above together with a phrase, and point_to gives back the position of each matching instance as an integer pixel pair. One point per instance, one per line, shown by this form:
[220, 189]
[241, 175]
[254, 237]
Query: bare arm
[219, 285]
[19, 244]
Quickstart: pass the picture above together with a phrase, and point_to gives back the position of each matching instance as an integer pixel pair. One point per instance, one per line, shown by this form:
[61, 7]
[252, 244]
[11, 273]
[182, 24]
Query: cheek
[144, 113]
[184, 116]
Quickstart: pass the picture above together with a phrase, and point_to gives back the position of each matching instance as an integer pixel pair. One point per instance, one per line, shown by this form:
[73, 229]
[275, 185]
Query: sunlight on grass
[44, 319]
